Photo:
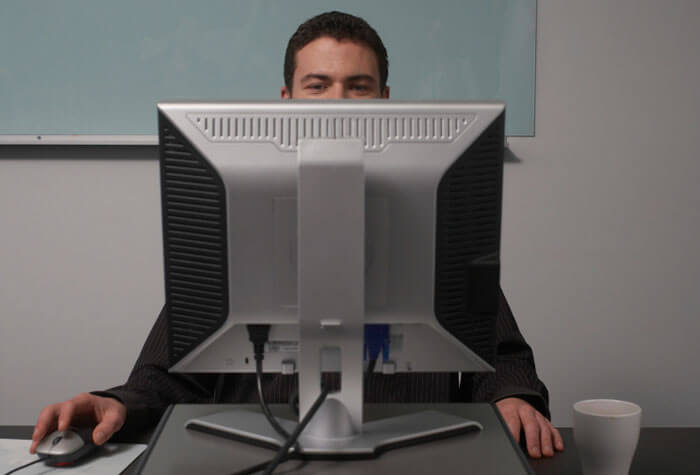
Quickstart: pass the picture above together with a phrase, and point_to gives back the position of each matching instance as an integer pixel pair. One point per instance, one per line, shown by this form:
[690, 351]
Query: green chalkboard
[97, 67]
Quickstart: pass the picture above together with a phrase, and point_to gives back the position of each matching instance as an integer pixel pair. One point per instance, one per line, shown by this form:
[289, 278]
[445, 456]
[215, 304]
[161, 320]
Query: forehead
[330, 57]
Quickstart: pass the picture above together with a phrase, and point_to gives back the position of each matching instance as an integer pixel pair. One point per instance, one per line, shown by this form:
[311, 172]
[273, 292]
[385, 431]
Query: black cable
[218, 390]
[294, 401]
[24, 466]
[258, 335]
[261, 466]
[263, 405]
[283, 452]
[370, 366]
[253, 469]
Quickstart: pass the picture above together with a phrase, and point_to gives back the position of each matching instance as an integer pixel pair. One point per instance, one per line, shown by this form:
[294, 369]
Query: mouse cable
[41, 459]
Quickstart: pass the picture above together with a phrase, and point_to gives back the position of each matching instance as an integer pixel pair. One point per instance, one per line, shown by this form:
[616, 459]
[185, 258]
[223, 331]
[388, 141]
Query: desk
[176, 450]
[660, 451]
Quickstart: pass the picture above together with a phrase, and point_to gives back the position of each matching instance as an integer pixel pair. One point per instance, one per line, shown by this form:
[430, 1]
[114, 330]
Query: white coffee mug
[606, 432]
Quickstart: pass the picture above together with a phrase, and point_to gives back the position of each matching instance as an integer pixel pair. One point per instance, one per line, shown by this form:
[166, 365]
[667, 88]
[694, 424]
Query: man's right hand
[106, 414]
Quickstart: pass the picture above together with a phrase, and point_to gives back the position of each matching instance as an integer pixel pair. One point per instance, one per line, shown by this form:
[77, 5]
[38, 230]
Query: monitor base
[376, 436]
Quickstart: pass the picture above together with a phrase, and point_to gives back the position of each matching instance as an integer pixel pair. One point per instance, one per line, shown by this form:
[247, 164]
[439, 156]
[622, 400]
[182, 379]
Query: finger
[545, 436]
[532, 431]
[78, 411]
[110, 423]
[512, 420]
[558, 440]
[513, 423]
[65, 415]
[46, 422]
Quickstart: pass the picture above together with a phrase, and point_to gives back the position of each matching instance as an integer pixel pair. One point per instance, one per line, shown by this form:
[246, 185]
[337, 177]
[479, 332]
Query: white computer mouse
[67, 447]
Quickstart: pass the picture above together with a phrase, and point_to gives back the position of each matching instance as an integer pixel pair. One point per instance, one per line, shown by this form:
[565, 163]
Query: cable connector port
[258, 335]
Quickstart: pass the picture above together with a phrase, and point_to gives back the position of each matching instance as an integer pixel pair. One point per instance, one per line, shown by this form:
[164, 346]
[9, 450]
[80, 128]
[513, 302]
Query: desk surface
[177, 450]
[661, 450]
[671, 450]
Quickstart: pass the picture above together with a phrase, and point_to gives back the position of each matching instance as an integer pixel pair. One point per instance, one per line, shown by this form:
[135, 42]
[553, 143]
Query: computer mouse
[61, 448]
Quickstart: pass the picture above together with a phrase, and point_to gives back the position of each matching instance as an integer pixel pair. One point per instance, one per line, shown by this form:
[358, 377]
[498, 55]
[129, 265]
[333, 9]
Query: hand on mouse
[106, 414]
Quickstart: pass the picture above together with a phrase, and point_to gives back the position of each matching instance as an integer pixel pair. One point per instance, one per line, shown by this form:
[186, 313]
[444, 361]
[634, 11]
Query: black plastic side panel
[468, 235]
[194, 242]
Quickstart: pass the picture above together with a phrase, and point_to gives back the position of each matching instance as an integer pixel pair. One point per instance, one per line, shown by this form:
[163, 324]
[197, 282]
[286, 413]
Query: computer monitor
[319, 217]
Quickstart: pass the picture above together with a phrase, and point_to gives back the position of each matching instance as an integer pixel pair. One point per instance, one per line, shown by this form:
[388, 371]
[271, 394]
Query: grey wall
[601, 260]
[80, 272]
[601, 213]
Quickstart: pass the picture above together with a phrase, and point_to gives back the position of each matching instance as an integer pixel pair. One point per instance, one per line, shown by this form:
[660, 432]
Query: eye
[316, 87]
[361, 89]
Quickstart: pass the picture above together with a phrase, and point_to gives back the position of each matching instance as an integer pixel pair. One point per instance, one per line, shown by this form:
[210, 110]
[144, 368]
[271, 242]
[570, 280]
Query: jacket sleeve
[515, 374]
[150, 388]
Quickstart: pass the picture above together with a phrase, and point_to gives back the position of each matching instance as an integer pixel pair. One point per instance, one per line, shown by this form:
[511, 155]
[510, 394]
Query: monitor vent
[468, 241]
[194, 244]
[376, 132]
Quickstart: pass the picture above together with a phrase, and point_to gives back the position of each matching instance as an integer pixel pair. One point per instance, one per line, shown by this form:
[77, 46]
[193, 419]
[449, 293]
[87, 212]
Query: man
[331, 56]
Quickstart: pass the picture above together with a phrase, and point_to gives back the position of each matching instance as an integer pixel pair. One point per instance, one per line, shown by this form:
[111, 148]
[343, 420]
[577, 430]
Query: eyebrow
[324, 77]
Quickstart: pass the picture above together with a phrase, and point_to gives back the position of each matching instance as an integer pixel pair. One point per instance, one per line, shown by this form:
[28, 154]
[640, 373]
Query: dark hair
[340, 26]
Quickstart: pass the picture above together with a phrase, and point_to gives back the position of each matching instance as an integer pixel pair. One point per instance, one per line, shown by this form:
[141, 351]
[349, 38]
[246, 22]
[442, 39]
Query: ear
[285, 93]
[385, 92]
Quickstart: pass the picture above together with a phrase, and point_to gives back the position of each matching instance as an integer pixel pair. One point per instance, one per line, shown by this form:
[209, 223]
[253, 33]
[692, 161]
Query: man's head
[335, 56]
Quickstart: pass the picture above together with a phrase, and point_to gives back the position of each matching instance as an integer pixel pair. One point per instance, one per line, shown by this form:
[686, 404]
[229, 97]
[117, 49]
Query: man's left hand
[541, 436]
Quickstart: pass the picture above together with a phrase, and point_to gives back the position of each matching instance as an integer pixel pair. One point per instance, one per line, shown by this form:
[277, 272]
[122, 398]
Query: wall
[600, 252]
[601, 214]
[80, 271]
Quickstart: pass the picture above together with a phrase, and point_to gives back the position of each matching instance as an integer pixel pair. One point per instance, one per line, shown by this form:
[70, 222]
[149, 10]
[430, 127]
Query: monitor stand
[331, 285]
[315, 442]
